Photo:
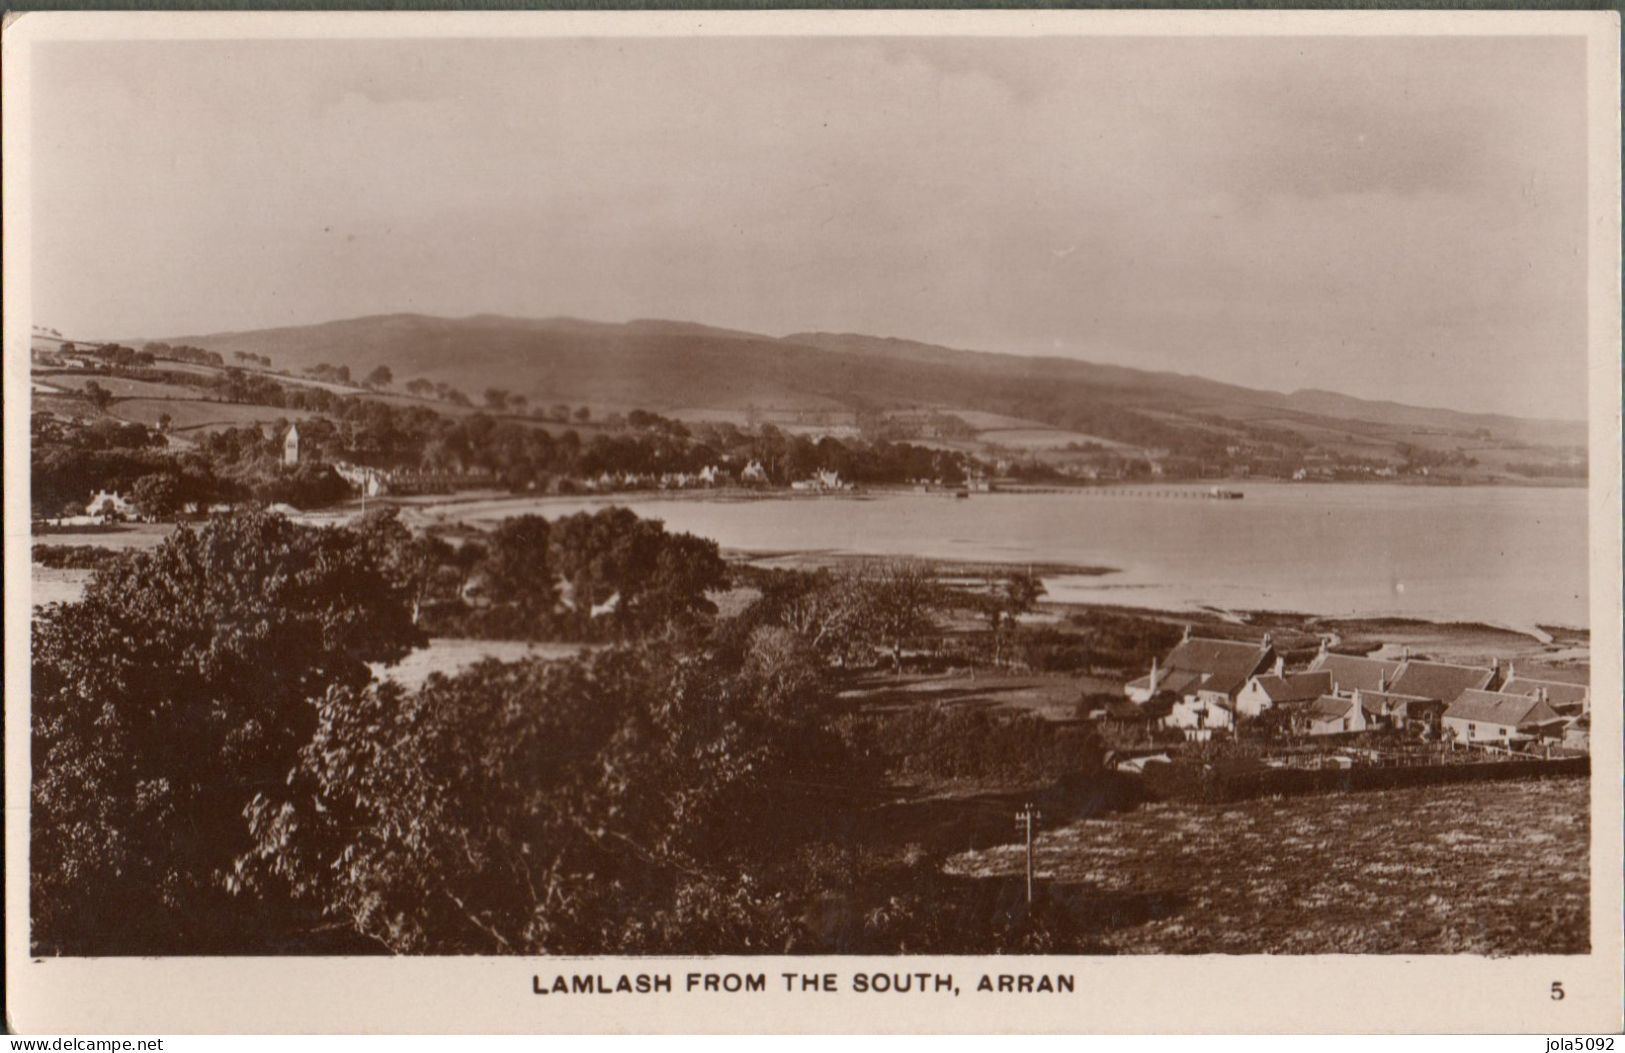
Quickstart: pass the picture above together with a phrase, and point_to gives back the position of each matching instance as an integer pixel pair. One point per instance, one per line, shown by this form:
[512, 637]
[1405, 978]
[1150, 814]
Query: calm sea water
[1501, 555]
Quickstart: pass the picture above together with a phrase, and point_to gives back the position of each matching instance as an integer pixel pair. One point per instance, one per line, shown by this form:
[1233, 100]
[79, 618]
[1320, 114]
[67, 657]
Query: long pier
[1161, 493]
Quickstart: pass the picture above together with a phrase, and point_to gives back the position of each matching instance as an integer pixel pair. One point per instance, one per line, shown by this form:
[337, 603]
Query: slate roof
[1440, 680]
[1495, 707]
[1558, 693]
[1295, 687]
[1229, 664]
[1329, 707]
[1175, 682]
[1352, 672]
[1375, 701]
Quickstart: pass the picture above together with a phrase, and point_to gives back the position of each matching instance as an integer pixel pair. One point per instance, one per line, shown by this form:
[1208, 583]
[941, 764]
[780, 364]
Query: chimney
[1155, 676]
[1187, 636]
[1512, 672]
[1280, 666]
[1323, 642]
[1269, 638]
[1382, 682]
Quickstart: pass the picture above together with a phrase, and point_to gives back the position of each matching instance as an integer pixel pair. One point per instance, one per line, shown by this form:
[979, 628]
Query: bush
[964, 742]
[76, 557]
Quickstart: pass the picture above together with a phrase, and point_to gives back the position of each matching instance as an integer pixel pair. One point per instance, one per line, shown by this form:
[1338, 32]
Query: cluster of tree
[849, 616]
[424, 389]
[117, 355]
[606, 575]
[1416, 457]
[75, 557]
[64, 477]
[106, 433]
[263, 361]
[96, 395]
[329, 372]
[183, 685]
[525, 456]
[184, 353]
[71, 463]
[879, 426]
[643, 420]
[1002, 601]
[216, 771]
[237, 385]
[1122, 642]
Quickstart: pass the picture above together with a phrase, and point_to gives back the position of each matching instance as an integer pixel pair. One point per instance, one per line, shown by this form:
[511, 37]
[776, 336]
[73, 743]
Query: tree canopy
[182, 686]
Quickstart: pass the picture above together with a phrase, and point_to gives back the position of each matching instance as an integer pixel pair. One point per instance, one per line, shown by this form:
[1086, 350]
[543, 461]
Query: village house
[1351, 673]
[370, 482]
[1578, 734]
[290, 446]
[822, 480]
[1280, 688]
[1442, 680]
[109, 502]
[1334, 715]
[1405, 712]
[1204, 676]
[1565, 698]
[1499, 718]
[1404, 676]
[753, 473]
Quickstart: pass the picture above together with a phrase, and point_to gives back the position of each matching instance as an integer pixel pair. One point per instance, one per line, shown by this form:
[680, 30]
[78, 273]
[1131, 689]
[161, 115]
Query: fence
[1210, 785]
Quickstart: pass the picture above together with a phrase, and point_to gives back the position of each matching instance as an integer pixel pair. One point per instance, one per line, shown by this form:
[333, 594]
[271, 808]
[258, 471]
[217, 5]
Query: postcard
[803, 521]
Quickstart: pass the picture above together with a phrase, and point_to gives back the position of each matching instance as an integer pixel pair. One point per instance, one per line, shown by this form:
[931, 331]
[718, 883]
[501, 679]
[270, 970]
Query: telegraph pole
[1025, 821]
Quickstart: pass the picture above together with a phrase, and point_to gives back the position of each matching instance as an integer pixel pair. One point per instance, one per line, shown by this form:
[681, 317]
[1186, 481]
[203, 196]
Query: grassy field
[123, 387]
[186, 414]
[450, 656]
[1053, 696]
[1492, 869]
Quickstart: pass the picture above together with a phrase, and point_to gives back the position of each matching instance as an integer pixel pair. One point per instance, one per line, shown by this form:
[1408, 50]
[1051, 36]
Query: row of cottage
[1207, 685]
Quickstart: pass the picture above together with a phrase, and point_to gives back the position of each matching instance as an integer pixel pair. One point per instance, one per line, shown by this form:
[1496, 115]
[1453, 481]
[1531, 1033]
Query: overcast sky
[1391, 218]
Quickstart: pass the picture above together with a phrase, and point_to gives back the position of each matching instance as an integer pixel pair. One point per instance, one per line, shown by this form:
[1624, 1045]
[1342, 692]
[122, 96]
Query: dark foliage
[181, 687]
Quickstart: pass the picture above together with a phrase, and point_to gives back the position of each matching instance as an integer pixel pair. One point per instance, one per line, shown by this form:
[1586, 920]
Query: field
[186, 414]
[121, 387]
[449, 656]
[1492, 869]
[1052, 696]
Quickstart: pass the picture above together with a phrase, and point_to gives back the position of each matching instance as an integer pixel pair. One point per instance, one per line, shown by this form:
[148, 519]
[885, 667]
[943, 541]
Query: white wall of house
[1199, 711]
[1353, 720]
[1251, 700]
[1478, 730]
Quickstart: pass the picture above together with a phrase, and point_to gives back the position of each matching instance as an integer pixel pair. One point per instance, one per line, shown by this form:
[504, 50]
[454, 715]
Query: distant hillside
[670, 366]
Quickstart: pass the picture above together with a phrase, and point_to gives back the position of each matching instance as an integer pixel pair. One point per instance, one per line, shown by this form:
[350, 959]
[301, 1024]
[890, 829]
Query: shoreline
[1549, 646]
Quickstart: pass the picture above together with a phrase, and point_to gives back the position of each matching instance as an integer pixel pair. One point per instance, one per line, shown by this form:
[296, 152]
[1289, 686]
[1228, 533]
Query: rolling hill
[670, 366]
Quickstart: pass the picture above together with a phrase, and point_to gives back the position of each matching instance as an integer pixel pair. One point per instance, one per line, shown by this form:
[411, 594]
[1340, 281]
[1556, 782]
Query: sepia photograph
[595, 491]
